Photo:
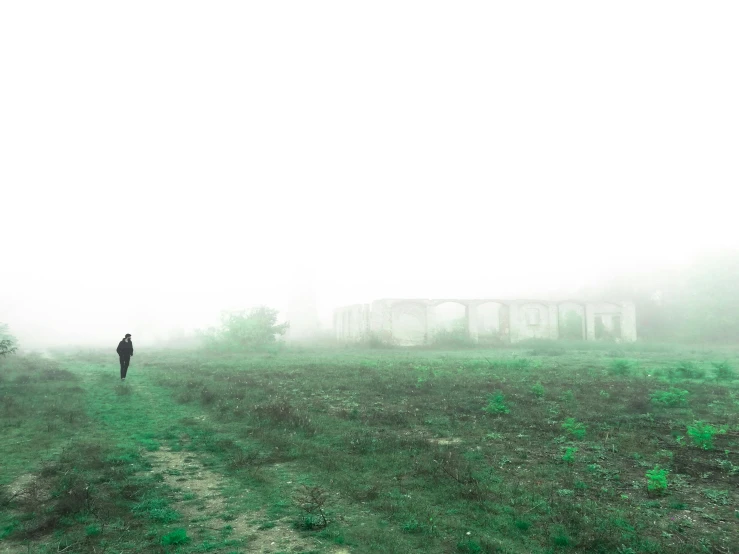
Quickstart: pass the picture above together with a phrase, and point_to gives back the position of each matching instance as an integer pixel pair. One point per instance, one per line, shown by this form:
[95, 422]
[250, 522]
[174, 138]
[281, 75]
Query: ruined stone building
[408, 322]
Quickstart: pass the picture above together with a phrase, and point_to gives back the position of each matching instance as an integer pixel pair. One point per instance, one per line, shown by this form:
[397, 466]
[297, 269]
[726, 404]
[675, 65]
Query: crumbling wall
[408, 322]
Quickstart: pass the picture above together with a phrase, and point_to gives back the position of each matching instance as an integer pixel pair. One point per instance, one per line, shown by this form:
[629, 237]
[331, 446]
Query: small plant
[689, 370]
[178, 536]
[569, 455]
[657, 480]
[424, 373]
[538, 390]
[496, 404]
[469, 546]
[621, 367]
[412, 526]
[672, 397]
[717, 497]
[522, 524]
[702, 434]
[575, 428]
[93, 530]
[312, 501]
[723, 371]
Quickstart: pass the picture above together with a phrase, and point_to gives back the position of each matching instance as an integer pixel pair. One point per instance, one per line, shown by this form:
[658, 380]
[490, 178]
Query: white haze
[161, 161]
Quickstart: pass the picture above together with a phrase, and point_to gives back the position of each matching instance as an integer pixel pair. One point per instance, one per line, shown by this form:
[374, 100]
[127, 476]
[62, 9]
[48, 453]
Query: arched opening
[409, 323]
[607, 321]
[448, 323]
[493, 323]
[571, 321]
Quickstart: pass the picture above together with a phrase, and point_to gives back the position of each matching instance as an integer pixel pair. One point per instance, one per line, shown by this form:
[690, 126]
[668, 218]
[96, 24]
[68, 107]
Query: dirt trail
[203, 504]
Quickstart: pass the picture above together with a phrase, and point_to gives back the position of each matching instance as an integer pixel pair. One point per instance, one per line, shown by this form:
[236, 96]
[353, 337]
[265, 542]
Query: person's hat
[128, 335]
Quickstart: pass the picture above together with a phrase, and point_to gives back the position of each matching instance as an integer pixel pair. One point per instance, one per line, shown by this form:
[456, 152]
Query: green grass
[548, 448]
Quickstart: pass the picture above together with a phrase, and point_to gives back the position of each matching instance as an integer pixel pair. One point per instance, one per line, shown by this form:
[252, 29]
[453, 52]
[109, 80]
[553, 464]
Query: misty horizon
[152, 178]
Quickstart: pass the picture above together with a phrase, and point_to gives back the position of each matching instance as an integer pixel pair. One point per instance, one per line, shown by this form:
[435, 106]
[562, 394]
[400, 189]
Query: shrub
[8, 344]
[469, 546]
[93, 530]
[245, 329]
[538, 390]
[456, 336]
[312, 500]
[672, 397]
[621, 367]
[702, 434]
[723, 371]
[496, 404]
[177, 536]
[574, 428]
[657, 480]
[688, 370]
[569, 455]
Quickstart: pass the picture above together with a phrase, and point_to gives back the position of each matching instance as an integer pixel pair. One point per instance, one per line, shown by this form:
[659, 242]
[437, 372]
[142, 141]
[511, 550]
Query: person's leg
[123, 368]
[126, 361]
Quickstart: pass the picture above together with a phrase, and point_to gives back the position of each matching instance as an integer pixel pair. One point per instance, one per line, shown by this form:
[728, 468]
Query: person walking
[125, 351]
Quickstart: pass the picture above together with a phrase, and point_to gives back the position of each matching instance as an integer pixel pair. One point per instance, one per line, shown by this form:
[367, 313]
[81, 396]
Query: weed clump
[687, 370]
[312, 501]
[703, 433]
[469, 546]
[723, 371]
[177, 536]
[569, 455]
[281, 412]
[671, 398]
[621, 367]
[657, 480]
[497, 405]
[575, 428]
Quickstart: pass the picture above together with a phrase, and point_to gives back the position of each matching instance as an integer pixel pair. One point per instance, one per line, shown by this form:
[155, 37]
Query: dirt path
[202, 503]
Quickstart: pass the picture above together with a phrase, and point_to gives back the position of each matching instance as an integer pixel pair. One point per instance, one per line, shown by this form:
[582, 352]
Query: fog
[164, 161]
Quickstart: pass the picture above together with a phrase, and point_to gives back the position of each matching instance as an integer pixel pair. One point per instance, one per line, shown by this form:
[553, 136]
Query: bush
[245, 329]
[688, 370]
[574, 428]
[671, 398]
[702, 434]
[569, 455]
[621, 367]
[496, 404]
[8, 344]
[723, 371]
[455, 337]
[177, 536]
[657, 480]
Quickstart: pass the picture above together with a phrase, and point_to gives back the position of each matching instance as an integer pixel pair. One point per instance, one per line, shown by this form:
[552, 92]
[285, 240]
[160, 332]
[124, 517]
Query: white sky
[160, 161]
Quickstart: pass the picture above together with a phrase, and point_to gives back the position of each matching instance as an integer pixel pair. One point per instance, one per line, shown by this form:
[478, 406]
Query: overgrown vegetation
[696, 303]
[245, 330]
[8, 344]
[370, 451]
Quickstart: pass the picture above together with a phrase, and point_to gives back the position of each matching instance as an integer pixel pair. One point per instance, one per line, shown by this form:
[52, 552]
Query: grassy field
[548, 448]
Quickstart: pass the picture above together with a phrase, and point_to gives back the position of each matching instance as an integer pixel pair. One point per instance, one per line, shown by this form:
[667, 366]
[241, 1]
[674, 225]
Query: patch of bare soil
[26, 489]
[184, 471]
[446, 441]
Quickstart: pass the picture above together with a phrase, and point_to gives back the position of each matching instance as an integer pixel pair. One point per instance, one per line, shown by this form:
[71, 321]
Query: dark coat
[125, 348]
